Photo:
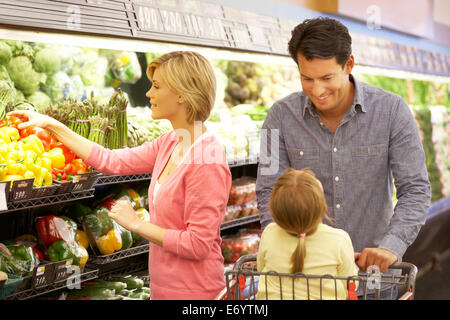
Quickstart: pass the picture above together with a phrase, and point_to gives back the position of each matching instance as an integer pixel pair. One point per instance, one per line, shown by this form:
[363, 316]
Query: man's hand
[375, 256]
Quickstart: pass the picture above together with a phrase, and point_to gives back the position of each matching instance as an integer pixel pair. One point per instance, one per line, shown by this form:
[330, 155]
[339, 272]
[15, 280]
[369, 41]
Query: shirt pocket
[369, 163]
[304, 157]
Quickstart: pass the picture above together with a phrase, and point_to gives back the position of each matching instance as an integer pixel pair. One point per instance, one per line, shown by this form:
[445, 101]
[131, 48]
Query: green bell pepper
[78, 211]
[99, 222]
[62, 250]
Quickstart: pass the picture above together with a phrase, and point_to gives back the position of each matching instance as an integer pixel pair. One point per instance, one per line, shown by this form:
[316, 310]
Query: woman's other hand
[123, 213]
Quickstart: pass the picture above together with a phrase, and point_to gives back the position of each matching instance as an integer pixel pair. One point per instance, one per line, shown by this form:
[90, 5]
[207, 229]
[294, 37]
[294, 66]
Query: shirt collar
[358, 100]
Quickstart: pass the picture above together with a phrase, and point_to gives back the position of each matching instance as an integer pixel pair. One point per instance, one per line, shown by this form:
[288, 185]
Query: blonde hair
[191, 75]
[297, 205]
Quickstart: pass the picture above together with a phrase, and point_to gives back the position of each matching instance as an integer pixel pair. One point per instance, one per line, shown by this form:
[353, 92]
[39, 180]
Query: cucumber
[92, 291]
[131, 282]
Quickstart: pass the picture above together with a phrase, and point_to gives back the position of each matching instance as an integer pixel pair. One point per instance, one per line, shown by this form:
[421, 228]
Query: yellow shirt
[328, 251]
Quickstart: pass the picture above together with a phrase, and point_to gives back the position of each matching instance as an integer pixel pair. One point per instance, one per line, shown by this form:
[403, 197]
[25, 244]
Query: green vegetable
[61, 250]
[131, 282]
[127, 239]
[7, 94]
[99, 222]
[22, 74]
[39, 100]
[5, 53]
[88, 290]
[79, 210]
[47, 61]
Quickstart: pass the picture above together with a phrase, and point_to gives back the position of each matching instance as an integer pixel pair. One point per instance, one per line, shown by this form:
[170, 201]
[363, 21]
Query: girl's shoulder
[324, 229]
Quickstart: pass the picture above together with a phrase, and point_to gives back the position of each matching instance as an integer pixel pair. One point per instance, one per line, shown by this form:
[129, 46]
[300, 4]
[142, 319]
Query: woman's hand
[32, 118]
[123, 213]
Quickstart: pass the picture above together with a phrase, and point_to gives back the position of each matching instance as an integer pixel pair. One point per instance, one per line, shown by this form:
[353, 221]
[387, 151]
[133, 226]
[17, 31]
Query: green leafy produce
[47, 61]
[39, 100]
[22, 74]
[5, 53]
[7, 94]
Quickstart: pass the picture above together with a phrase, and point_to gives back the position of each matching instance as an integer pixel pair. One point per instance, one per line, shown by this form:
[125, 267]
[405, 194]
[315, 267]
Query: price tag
[40, 271]
[3, 200]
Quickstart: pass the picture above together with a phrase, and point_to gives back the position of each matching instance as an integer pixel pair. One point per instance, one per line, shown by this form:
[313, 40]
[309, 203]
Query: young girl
[298, 241]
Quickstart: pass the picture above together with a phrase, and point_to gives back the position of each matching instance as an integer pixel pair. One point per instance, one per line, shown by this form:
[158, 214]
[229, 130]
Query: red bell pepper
[52, 229]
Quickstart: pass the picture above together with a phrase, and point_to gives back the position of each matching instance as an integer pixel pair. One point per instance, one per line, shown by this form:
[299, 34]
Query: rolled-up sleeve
[273, 161]
[407, 163]
[207, 191]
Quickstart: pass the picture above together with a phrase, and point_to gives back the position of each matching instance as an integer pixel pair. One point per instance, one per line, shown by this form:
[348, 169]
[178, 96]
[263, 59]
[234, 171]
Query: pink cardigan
[190, 204]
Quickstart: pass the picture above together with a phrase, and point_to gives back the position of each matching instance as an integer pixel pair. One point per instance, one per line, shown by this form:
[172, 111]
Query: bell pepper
[57, 157]
[78, 167]
[32, 161]
[99, 222]
[52, 229]
[45, 136]
[3, 170]
[24, 256]
[82, 239]
[29, 174]
[8, 134]
[32, 142]
[62, 250]
[15, 168]
[110, 242]
[79, 210]
[68, 154]
[3, 149]
[126, 236]
[46, 163]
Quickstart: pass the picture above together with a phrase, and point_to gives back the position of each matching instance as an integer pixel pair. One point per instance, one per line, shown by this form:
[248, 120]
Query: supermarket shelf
[239, 222]
[106, 179]
[119, 255]
[45, 201]
[86, 275]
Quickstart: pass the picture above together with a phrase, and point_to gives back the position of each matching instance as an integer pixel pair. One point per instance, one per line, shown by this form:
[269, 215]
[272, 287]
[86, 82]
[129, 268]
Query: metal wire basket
[243, 280]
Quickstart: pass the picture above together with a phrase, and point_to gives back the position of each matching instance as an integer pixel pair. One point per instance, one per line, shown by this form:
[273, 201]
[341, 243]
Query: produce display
[119, 287]
[34, 153]
[44, 73]
[142, 128]
[429, 101]
[240, 244]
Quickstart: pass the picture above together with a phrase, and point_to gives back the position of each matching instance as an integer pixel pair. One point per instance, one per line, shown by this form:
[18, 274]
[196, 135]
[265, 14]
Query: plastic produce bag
[104, 234]
[126, 68]
[17, 259]
[242, 191]
[235, 246]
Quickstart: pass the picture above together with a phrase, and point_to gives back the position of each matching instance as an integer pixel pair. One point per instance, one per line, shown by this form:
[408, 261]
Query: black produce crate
[21, 190]
[64, 186]
[84, 181]
[44, 191]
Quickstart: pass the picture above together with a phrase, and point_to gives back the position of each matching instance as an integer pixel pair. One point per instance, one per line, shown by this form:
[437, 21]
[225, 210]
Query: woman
[191, 180]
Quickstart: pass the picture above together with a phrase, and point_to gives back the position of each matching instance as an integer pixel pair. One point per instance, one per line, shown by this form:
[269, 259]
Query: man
[358, 140]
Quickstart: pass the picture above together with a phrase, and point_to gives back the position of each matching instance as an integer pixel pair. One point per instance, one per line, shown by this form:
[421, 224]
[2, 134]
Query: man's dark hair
[322, 38]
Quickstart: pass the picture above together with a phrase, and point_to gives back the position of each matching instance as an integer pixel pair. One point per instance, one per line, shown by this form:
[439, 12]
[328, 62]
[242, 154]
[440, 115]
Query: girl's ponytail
[298, 256]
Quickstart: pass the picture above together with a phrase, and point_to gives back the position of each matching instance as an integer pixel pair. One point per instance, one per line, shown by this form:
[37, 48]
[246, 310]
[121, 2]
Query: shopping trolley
[242, 282]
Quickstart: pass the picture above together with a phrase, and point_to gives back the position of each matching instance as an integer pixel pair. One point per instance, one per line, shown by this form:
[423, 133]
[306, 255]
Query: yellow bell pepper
[46, 163]
[3, 169]
[84, 256]
[43, 178]
[82, 239]
[32, 161]
[4, 149]
[15, 168]
[56, 155]
[32, 142]
[29, 174]
[47, 177]
[110, 242]
[9, 134]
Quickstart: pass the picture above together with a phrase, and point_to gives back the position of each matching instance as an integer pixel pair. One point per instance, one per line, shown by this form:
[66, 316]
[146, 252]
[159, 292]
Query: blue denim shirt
[376, 144]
